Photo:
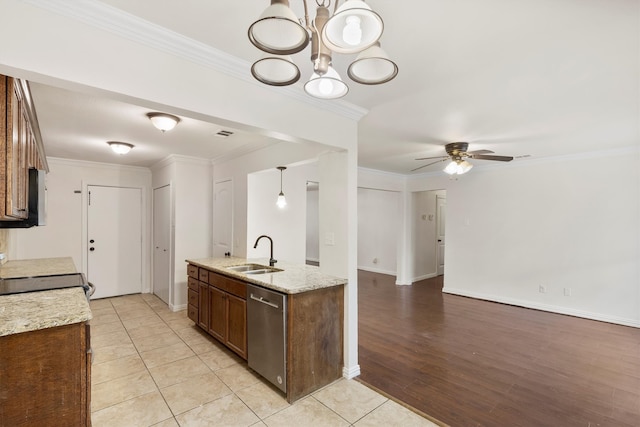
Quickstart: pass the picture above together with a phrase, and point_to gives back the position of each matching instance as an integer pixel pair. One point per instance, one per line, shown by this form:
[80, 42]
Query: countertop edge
[293, 279]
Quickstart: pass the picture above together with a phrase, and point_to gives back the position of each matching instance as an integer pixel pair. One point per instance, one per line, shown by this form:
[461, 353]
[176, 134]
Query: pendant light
[282, 202]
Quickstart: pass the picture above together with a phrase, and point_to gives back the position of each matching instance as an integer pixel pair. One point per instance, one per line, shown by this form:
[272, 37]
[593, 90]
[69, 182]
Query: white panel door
[222, 218]
[441, 206]
[162, 242]
[114, 233]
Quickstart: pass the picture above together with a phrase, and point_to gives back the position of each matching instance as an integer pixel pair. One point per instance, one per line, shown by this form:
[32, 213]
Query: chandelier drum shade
[277, 30]
[352, 28]
[372, 67]
[276, 70]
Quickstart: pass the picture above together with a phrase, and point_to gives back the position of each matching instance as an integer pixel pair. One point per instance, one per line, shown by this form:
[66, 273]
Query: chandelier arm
[306, 15]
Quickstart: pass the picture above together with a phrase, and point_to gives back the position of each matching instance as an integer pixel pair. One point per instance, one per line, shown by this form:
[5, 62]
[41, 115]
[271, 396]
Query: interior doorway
[162, 243]
[313, 224]
[223, 218]
[429, 210]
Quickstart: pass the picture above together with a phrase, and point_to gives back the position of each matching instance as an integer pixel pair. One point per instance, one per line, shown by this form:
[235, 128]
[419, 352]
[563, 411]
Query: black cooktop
[42, 283]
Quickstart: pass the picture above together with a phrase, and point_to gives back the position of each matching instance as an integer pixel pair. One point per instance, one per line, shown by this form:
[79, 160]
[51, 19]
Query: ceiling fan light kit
[353, 28]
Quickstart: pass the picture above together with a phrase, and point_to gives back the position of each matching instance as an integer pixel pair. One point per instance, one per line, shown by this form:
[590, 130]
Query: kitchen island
[313, 323]
[45, 354]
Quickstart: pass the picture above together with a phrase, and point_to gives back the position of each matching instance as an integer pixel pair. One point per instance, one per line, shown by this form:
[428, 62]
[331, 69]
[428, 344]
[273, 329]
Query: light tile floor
[154, 367]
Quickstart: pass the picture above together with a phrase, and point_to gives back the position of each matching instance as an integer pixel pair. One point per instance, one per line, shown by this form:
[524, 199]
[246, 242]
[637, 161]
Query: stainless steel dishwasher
[266, 334]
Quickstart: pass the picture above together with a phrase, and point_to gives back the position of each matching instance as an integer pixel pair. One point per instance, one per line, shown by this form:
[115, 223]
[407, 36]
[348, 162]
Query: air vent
[224, 133]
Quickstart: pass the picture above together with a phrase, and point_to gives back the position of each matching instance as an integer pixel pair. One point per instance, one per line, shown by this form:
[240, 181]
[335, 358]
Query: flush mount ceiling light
[120, 147]
[282, 202]
[352, 28]
[163, 121]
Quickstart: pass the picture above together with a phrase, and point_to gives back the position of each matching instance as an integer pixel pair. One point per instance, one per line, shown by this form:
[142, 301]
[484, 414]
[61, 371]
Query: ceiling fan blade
[428, 164]
[480, 152]
[437, 157]
[489, 157]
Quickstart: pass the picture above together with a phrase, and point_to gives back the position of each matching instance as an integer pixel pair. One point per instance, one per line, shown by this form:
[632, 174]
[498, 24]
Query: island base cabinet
[315, 328]
[218, 305]
[45, 377]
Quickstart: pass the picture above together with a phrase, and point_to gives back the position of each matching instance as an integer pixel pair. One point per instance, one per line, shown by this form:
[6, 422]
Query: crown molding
[102, 165]
[116, 21]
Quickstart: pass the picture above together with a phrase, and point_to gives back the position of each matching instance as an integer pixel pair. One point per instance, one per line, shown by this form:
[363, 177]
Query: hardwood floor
[469, 362]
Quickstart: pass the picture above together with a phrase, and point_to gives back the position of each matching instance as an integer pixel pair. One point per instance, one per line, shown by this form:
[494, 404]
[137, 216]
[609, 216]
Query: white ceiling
[529, 77]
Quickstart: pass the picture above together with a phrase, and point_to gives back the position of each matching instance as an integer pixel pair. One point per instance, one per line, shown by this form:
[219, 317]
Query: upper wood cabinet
[20, 148]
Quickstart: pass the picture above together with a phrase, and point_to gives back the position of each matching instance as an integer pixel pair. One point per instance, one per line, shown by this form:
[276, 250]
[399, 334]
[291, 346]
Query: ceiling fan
[458, 154]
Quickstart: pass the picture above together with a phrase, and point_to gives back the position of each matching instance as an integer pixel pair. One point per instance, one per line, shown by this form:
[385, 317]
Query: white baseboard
[545, 307]
[377, 270]
[424, 277]
[350, 372]
[177, 307]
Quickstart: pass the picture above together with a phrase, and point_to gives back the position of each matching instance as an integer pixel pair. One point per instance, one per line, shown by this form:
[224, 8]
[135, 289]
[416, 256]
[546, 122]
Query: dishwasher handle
[263, 301]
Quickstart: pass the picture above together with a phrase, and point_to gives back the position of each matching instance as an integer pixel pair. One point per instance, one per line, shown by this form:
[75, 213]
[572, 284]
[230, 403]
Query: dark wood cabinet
[45, 377]
[218, 305]
[19, 148]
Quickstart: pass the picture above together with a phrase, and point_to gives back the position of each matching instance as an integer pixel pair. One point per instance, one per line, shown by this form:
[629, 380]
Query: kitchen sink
[253, 269]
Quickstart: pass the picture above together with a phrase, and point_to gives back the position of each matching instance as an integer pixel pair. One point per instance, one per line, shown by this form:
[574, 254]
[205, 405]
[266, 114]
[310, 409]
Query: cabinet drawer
[193, 298]
[192, 271]
[192, 313]
[204, 275]
[232, 286]
[193, 284]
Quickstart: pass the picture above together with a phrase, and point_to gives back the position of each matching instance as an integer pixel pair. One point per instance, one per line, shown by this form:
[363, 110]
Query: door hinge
[89, 198]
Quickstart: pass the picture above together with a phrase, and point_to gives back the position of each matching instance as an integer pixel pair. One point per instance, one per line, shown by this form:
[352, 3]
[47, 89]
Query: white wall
[569, 222]
[287, 227]
[191, 193]
[63, 236]
[379, 224]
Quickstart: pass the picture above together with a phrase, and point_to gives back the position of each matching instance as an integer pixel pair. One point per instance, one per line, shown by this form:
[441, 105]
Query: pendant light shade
[352, 28]
[120, 147]
[281, 202]
[372, 67]
[326, 86]
[162, 121]
[277, 30]
[276, 70]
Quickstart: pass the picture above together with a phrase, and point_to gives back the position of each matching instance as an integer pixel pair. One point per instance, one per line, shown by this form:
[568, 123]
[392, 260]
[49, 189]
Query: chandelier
[352, 28]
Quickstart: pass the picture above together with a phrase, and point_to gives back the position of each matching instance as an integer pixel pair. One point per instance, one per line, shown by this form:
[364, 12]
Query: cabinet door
[237, 325]
[217, 313]
[203, 306]
[16, 178]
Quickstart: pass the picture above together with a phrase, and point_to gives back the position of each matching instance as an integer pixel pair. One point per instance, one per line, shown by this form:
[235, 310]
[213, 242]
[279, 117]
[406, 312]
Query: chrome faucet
[271, 260]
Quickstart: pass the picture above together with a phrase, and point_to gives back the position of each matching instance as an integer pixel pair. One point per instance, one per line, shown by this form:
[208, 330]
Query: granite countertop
[31, 311]
[37, 267]
[293, 279]
[39, 310]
